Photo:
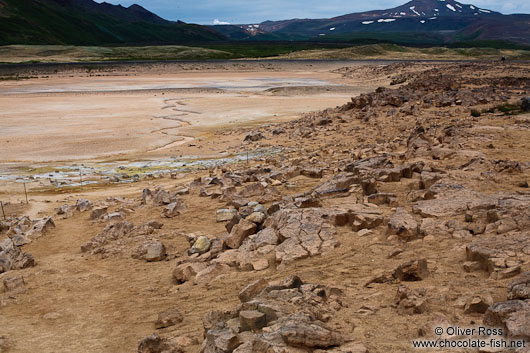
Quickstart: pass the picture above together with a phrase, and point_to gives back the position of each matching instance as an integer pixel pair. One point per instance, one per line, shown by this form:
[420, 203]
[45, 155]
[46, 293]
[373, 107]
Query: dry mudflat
[392, 199]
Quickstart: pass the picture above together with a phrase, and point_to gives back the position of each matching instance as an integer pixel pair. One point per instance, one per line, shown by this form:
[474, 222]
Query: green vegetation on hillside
[224, 51]
[69, 22]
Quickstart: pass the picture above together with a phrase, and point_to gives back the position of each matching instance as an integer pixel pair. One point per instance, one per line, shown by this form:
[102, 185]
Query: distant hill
[85, 22]
[416, 22]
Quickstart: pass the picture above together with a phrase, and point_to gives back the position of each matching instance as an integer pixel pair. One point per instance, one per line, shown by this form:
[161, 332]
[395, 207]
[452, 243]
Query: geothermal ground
[378, 202]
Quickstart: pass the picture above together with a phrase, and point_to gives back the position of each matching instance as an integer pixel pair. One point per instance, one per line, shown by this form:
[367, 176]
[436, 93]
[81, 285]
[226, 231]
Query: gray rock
[156, 251]
[520, 287]
[83, 205]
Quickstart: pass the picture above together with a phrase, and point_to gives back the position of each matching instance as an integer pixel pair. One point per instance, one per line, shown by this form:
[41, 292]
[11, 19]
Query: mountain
[417, 21]
[85, 22]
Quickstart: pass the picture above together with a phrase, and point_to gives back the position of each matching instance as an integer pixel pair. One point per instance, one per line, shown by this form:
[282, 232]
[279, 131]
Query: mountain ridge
[439, 21]
[85, 22]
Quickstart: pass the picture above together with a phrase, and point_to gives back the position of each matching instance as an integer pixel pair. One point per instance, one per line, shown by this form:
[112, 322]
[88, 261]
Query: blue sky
[246, 11]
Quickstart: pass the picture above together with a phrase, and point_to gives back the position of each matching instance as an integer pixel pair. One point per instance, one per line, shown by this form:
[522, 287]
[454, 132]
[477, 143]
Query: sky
[247, 12]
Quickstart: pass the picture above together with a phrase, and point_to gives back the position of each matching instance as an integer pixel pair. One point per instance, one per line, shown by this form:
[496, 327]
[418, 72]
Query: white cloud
[216, 22]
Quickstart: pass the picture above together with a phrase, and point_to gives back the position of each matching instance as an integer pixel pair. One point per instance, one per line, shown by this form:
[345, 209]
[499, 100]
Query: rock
[11, 283]
[252, 290]
[173, 209]
[298, 330]
[83, 205]
[168, 318]
[509, 272]
[187, 271]
[478, 304]
[97, 213]
[512, 316]
[225, 214]
[455, 203]
[252, 320]
[182, 191]
[156, 251]
[40, 227]
[403, 224]
[492, 252]
[428, 179]
[256, 217]
[147, 196]
[251, 190]
[235, 220]
[409, 301]
[306, 232]
[201, 245]
[110, 233]
[339, 183]
[63, 210]
[240, 231]
[156, 344]
[12, 258]
[254, 136]
[307, 202]
[413, 270]
[161, 198]
[114, 217]
[220, 341]
[520, 287]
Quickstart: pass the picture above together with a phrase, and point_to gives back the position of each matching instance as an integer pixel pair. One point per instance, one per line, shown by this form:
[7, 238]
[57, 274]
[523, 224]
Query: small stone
[168, 318]
[256, 217]
[156, 251]
[225, 214]
[201, 245]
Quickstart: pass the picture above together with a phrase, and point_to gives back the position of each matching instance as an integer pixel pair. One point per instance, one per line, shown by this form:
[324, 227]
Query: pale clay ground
[94, 117]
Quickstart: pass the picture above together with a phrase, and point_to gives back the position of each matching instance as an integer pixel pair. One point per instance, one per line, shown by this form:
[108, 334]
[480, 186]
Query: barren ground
[109, 301]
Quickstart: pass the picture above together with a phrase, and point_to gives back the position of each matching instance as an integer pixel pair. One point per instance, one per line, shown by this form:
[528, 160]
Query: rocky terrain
[403, 210]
